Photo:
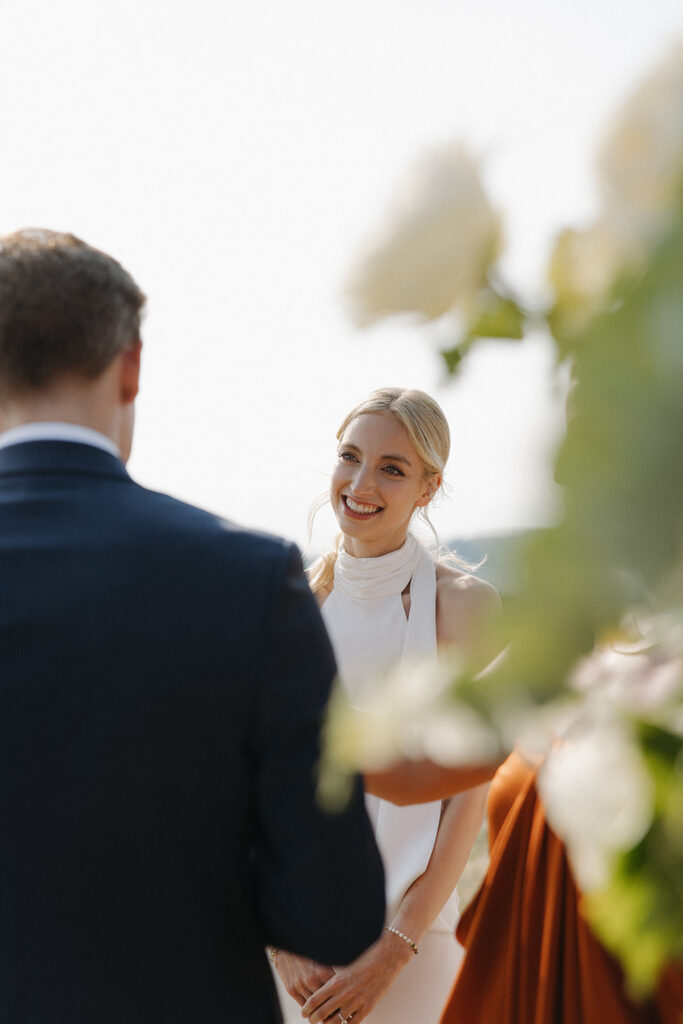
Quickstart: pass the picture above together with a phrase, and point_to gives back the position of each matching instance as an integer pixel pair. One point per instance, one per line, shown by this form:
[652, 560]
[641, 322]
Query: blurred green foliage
[613, 564]
[638, 913]
[493, 315]
[618, 547]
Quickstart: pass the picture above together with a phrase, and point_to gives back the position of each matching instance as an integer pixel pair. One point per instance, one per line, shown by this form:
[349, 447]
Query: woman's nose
[362, 481]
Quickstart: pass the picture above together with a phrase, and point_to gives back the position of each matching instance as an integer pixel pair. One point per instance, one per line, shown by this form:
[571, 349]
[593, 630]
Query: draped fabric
[366, 580]
[531, 958]
[367, 623]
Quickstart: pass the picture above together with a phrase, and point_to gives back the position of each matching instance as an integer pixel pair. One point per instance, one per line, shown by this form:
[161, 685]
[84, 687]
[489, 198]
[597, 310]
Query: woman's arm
[420, 782]
[356, 989]
[424, 900]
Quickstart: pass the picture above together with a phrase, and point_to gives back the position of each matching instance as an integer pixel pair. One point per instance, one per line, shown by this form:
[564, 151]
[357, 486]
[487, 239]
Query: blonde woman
[383, 596]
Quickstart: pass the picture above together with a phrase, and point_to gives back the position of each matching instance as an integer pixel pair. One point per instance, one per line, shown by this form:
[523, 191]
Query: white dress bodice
[370, 632]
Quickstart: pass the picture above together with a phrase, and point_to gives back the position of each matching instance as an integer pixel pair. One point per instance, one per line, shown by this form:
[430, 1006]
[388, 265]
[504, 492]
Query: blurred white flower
[455, 735]
[641, 161]
[598, 795]
[584, 266]
[641, 676]
[438, 242]
[534, 728]
[585, 263]
[408, 712]
[640, 167]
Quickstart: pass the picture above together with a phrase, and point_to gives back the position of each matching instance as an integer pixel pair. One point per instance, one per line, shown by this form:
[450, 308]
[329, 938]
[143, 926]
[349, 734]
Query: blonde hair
[427, 428]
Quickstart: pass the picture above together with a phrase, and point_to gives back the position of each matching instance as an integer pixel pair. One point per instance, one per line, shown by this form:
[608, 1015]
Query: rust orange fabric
[531, 957]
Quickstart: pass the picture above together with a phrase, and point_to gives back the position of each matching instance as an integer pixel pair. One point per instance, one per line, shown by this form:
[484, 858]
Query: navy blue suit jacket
[162, 680]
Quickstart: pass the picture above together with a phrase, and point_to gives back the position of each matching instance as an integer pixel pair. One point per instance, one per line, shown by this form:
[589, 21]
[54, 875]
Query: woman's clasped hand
[345, 993]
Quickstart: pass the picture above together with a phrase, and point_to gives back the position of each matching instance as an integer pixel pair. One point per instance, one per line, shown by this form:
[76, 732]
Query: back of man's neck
[81, 407]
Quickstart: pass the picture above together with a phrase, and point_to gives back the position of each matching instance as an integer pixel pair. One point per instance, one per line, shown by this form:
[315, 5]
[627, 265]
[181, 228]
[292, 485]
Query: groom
[162, 680]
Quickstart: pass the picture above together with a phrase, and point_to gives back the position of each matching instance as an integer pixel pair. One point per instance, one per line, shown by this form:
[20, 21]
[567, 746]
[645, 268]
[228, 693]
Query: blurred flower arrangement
[596, 624]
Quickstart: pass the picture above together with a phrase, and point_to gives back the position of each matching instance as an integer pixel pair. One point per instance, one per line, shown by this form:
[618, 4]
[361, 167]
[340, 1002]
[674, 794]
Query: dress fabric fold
[370, 633]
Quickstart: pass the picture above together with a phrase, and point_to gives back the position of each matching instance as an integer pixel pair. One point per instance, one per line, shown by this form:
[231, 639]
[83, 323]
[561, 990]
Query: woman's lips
[360, 509]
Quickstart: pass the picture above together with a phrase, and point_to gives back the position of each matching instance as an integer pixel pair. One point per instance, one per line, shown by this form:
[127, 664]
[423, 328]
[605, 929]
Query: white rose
[641, 162]
[583, 268]
[439, 239]
[598, 797]
[640, 165]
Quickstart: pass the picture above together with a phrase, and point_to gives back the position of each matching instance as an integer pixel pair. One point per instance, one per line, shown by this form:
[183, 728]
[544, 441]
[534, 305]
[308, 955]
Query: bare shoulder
[461, 593]
[468, 615]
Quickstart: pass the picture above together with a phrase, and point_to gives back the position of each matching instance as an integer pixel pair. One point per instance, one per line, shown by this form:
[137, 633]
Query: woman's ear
[431, 487]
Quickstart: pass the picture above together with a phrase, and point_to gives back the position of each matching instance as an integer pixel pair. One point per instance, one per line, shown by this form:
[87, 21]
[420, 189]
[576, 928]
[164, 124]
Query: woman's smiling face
[377, 484]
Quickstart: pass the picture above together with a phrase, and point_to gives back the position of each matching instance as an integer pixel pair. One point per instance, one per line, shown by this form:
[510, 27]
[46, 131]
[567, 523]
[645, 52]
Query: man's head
[68, 312]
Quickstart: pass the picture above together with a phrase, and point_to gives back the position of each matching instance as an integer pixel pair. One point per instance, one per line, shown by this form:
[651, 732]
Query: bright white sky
[233, 156]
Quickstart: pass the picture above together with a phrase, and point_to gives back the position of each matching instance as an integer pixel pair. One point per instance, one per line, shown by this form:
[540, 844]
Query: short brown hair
[65, 308]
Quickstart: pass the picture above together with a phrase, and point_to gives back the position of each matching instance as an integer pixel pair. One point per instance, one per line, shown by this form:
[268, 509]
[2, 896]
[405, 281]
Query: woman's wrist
[401, 935]
[397, 952]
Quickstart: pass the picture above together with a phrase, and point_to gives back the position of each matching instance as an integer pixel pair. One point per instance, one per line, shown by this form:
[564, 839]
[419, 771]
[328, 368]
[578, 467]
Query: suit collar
[59, 457]
[57, 430]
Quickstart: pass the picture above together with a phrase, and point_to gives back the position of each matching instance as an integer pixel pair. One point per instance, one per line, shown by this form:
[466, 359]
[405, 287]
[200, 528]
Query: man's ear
[130, 372]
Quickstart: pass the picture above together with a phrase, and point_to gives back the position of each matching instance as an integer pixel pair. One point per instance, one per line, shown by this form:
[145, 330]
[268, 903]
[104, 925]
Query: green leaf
[638, 915]
[496, 316]
[452, 358]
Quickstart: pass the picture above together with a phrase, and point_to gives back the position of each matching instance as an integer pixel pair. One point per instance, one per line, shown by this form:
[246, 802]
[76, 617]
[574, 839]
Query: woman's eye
[393, 471]
[347, 457]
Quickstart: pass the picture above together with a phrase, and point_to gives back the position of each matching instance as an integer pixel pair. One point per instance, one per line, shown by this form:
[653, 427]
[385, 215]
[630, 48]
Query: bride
[383, 596]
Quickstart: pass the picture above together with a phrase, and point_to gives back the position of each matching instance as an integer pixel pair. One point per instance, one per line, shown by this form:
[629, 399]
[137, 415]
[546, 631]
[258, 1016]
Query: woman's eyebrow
[396, 458]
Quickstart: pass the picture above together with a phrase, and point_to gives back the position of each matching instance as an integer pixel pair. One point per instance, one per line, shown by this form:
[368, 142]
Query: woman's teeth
[356, 506]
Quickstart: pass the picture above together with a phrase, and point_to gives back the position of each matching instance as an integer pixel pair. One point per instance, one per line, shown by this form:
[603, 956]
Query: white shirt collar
[56, 431]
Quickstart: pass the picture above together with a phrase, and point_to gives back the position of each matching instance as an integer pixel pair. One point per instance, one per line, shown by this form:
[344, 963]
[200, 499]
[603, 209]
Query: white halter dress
[367, 624]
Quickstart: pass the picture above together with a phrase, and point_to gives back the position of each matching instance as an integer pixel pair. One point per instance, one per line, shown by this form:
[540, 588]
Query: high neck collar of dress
[368, 578]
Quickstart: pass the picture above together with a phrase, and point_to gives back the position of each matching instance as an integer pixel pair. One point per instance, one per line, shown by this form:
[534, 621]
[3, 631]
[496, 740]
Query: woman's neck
[371, 549]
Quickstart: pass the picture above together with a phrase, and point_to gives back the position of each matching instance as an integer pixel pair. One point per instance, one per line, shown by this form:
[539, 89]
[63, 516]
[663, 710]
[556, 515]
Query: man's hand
[301, 976]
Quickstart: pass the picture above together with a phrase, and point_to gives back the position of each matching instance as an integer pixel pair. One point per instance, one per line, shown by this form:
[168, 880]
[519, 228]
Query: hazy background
[234, 156]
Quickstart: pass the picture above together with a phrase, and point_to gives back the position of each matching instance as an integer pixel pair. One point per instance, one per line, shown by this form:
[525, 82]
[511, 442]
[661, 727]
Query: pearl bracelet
[405, 938]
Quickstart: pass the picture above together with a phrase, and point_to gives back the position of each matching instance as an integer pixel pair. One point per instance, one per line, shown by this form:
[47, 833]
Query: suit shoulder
[171, 520]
